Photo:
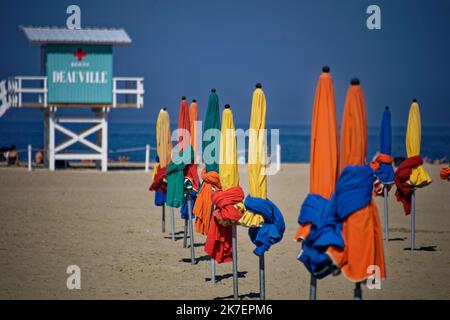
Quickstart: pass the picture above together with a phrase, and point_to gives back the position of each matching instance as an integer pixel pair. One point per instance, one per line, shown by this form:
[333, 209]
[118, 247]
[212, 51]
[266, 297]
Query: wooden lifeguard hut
[76, 72]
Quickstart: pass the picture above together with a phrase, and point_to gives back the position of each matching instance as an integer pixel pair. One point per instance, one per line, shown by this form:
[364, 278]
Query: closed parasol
[411, 174]
[382, 166]
[203, 208]
[361, 229]
[324, 151]
[272, 229]
[163, 158]
[221, 243]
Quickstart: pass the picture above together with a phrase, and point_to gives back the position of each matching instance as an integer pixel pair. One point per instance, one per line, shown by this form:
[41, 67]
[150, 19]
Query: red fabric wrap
[402, 174]
[158, 181]
[192, 174]
[218, 243]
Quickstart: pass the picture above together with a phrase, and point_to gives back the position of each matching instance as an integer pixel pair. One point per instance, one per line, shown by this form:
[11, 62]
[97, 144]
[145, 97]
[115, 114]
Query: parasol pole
[163, 217]
[386, 219]
[262, 278]
[313, 288]
[213, 262]
[235, 268]
[185, 232]
[191, 228]
[413, 222]
[358, 291]
[172, 223]
[213, 270]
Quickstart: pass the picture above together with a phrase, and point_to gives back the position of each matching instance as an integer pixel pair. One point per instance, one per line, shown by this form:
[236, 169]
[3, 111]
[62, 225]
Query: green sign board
[79, 73]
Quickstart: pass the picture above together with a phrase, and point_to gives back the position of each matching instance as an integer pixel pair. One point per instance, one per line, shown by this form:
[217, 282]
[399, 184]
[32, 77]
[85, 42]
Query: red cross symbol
[80, 54]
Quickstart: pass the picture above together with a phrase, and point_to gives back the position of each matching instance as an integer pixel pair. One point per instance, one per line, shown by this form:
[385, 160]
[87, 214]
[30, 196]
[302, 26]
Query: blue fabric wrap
[353, 192]
[385, 172]
[160, 198]
[271, 232]
[184, 208]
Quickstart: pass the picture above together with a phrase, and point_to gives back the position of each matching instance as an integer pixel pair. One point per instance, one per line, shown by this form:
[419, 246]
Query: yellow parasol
[257, 151]
[163, 138]
[229, 176]
[419, 177]
[228, 168]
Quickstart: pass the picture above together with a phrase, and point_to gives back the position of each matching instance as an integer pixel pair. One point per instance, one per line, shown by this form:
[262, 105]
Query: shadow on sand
[251, 295]
[427, 248]
[241, 274]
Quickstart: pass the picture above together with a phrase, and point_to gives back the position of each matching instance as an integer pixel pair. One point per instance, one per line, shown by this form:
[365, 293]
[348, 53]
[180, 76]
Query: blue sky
[188, 47]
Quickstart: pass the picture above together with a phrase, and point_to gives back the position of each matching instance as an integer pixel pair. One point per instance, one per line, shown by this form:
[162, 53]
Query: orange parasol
[362, 229]
[324, 144]
[193, 117]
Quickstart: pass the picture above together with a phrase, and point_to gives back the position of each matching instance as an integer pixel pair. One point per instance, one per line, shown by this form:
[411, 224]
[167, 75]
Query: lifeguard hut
[76, 72]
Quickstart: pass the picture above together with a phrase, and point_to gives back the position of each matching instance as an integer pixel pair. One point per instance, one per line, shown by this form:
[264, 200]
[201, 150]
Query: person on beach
[13, 157]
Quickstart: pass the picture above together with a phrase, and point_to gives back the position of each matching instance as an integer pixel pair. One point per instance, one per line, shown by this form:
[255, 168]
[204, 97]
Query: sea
[128, 139]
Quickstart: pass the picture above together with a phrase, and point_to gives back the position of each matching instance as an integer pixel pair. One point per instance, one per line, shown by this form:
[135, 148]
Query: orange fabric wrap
[445, 173]
[381, 158]
[363, 245]
[203, 204]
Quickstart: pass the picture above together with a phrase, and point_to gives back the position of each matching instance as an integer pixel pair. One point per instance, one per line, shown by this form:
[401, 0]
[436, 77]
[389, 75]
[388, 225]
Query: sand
[106, 224]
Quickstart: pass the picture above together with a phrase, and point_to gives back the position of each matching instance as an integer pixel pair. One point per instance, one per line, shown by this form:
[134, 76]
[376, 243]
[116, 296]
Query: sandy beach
[106, 224]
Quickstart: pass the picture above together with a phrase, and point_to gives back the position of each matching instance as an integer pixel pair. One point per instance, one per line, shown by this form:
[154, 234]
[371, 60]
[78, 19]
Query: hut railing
[19, 86]
[133, 91]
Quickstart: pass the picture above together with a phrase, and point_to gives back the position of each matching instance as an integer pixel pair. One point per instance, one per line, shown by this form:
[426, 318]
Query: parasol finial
[213, 90]
[259, 85]
[326, 69]
[354, 82]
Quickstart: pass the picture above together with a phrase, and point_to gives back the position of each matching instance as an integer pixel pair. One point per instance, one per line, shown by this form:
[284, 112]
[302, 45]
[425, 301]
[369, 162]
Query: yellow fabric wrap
[257, 152]
[419, 177]
[163, 138]
[250, 219]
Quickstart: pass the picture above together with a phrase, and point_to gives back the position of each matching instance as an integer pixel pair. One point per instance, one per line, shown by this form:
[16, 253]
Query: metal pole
[386, 218]
[235, 268]
[262, 280]
[358, 292]
[312, 288]
[147, 157]
[29, 157]
[163, 218]
[213, 262]
[213, 270]
[413, 222]
[185, 233]
[191, 229]
[172, 223]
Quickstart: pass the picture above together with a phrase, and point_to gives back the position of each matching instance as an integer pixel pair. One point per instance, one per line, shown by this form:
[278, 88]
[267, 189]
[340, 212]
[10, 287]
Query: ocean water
[129, 139]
